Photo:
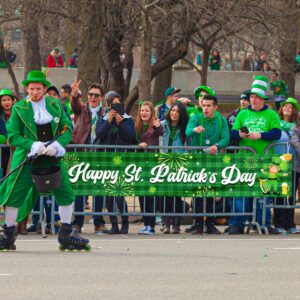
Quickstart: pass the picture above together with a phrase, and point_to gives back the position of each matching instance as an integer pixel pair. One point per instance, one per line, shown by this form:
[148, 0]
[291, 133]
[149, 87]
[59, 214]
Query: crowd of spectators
[174, 122]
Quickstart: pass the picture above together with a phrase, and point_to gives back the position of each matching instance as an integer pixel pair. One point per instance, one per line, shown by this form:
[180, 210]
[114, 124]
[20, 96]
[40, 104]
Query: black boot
[70, 239]
[125, 227]
[114, 229]
[22, 227]
[212, 229]
[190, 228]
[8, 237]
[198, 229]
[176, 225]
[166, 225]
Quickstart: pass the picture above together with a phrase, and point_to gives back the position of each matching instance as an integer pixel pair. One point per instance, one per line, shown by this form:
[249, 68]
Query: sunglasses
[93, 94]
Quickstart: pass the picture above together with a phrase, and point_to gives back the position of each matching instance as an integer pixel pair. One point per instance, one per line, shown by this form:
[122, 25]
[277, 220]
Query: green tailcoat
[22, 133]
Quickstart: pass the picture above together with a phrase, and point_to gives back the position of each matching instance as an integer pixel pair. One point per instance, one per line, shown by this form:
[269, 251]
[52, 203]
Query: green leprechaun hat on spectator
[290, 100]
[7, 92]
[204, 88]
[260, 86]
[36, 76]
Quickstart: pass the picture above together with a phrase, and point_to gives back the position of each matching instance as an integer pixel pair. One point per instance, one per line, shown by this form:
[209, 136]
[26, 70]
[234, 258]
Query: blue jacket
[3, 134]
[113, 134]
[2, 127]
[164, 139]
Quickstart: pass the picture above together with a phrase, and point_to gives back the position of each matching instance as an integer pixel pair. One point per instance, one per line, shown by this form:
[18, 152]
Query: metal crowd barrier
[161, 205]
[280, 202]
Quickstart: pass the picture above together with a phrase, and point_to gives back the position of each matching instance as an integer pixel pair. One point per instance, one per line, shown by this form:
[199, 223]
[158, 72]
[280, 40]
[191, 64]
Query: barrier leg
[42, 208]
[264, 210]
[52, 215]
[254, 221]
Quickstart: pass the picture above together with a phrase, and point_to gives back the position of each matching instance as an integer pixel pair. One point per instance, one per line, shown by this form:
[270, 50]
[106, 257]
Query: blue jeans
[244, 206]
[79, 207]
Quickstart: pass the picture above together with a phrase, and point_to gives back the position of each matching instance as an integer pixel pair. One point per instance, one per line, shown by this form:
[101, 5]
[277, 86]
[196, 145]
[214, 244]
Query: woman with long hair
[288, 112]
[174, 135]
[147, 132]
[7, 100]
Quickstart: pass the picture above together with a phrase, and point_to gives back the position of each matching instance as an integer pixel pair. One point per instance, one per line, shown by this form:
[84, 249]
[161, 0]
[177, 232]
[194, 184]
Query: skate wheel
[88, 248]
[10, 248]
[61, 248]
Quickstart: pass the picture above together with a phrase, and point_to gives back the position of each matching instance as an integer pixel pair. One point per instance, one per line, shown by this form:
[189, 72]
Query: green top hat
[6, 92]
[260, 86]
[204, 88]
[36, 76]
[290, 100]
[171, 90]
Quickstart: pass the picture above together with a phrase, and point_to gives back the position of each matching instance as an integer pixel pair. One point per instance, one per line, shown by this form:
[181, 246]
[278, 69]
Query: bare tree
[31, 10]
[184, 23]
[218, 20]
[113, 33]
[144, 83]
[9, 13]
[288, 45]
[163, 42]
[90, 42]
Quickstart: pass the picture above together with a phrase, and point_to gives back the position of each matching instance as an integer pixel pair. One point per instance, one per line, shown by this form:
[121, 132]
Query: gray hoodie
[295, 142]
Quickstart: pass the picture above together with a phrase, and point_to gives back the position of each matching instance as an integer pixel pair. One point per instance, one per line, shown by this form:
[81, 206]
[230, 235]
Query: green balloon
[284, 166]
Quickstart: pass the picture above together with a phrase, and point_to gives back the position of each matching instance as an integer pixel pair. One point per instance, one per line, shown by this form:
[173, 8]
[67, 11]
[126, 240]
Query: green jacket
[21, 128]
[69, 108]
[216, 131]
[279, 87]
[193, 111]
[2, 139]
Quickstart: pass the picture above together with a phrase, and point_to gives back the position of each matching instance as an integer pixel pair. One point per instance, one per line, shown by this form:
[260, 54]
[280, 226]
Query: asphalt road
[155, 267]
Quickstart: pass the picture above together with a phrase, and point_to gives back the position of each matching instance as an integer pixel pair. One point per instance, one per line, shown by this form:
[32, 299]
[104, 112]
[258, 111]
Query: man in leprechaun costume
[36, 120]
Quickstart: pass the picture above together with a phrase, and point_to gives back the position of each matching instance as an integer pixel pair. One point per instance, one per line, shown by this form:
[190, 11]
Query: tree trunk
[91, 15]
[71, 32]
[112, 41]
[289, 45]
[163, 80]
[113, 64]
[231, 56]
[171, 57]
[128, 65]
[144, 82]
[30, 25]
[204, 71]
[9, 68]
[103, 73]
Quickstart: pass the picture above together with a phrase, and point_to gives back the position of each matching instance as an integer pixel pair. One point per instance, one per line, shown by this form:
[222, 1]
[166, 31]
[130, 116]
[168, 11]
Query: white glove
[57, 147]
[36, 148]
[50, 150]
